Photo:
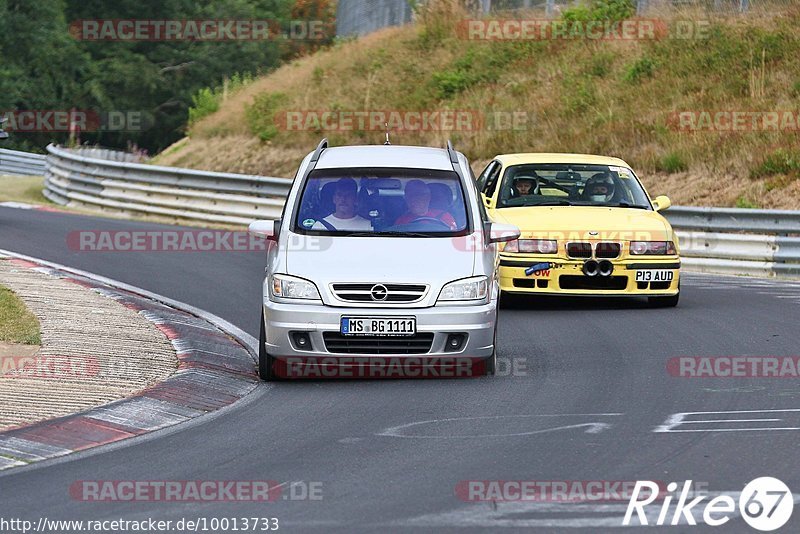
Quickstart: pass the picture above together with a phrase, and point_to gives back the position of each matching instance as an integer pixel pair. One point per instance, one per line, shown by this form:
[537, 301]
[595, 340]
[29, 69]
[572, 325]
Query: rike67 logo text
[765, 504]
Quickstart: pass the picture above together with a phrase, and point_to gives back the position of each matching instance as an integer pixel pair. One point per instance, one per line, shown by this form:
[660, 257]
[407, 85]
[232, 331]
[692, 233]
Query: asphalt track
[590, 388]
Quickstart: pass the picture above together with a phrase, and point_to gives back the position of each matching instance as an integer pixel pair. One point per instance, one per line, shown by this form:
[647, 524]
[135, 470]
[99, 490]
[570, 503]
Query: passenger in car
[418, 200]
[344, 216]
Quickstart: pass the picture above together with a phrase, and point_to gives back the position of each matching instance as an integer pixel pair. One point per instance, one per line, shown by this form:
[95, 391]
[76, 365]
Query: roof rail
[454, 159]
[320, 147]
[315, 157]
[452, 153]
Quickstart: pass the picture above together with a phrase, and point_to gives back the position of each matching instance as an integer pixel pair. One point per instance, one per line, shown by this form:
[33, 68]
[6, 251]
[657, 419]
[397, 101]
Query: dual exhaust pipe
[598, 268]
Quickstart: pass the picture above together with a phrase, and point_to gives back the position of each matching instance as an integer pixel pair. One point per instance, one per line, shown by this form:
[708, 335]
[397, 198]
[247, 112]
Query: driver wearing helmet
[526, 185]
[418, 200]
[599, 188]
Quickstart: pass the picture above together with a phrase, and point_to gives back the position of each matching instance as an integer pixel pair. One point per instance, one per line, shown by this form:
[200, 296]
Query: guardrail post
[550, 8]
[641, 6]
[744, 6]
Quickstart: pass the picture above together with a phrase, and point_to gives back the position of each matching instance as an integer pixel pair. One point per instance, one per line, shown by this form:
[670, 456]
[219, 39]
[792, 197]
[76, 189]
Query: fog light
[301, 340]
[455, 342]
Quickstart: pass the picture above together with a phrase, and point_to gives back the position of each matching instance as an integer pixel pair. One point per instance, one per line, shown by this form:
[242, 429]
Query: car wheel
[508, 300]
[664, 302]
[265, 361]
[491, 361]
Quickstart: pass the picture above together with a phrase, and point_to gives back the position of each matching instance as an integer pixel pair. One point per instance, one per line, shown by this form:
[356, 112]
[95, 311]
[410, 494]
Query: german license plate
[655, 275]
[378, 326]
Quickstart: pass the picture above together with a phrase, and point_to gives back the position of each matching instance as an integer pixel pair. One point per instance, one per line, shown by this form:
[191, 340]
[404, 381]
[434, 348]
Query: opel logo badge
[379, 292]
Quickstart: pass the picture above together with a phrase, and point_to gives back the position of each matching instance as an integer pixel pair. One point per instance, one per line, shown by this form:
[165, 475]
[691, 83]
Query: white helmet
[599, 188]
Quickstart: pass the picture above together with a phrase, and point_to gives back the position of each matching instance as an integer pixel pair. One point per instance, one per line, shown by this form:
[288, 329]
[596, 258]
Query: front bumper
[565, 277]
[282, 321]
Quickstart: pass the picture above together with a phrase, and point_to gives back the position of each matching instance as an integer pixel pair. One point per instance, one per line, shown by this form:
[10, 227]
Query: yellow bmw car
[588, 227]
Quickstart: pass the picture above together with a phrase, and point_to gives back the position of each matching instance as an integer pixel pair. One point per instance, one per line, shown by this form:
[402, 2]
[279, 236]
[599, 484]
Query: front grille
[607, 250]
[531, 283]
[339, 344]
[614, 283]
[362, 292]
[579, 250]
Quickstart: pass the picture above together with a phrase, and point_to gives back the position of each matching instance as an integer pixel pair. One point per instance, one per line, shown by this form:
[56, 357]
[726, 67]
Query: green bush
[612, 10]
[204, 103]
[260, 115]
[578, 95]
[743, 202]
[207, 101]
[781, 161]
[672, 163]
[642, 68]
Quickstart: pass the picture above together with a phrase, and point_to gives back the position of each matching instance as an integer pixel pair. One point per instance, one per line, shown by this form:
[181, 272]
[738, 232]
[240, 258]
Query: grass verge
[17, 324]
[22, 189]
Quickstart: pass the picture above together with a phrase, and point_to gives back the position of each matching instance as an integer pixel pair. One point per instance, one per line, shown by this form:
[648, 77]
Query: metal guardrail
[21, 163]
[738, 241]
[722, 240]
[79, 177]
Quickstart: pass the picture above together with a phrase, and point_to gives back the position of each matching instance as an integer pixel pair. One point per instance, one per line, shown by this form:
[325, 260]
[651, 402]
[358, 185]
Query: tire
[491, 361]
[265, 361]
[664, 302]
[508, 300]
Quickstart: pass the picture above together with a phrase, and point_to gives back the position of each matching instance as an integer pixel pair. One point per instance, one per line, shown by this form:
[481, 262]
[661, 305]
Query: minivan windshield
[549, 184]
[382, 202]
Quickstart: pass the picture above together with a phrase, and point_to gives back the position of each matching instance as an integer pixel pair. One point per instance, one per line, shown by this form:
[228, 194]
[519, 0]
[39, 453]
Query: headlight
[292, 287]
[532, 246]
[656, 248]
[467, 289]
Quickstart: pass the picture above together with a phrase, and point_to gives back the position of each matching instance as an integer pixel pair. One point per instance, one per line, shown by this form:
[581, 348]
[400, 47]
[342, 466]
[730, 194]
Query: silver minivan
[383, 264]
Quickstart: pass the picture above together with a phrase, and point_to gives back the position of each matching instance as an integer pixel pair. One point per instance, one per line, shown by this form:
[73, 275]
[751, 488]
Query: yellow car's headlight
[654, 248]
[532, 246]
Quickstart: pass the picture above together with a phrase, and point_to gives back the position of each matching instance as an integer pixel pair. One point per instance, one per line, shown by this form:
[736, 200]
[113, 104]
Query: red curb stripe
[24, 263]
[167, 331]
[206, 400]
[76, 433]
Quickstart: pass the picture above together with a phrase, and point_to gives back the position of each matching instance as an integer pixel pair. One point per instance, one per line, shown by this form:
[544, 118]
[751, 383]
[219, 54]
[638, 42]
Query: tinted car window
[382, 202]
[570, 184]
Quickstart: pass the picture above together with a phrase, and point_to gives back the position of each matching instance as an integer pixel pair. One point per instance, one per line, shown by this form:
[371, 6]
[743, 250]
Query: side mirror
[501, 233]
[267, 229]
[661, 203]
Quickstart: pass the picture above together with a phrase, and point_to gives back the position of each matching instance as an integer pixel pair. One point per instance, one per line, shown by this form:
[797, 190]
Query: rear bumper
[566, 278]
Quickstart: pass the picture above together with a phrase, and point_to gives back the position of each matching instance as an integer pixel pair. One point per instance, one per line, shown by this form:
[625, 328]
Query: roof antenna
[386, 124]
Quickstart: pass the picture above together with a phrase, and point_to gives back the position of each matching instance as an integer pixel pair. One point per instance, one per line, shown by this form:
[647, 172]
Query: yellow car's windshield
[549, 184]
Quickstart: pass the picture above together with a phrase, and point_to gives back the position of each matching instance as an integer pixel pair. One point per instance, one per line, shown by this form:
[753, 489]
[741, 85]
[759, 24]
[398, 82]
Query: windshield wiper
[553, 203]
[627, 205]
[390, 233]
